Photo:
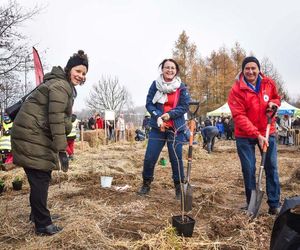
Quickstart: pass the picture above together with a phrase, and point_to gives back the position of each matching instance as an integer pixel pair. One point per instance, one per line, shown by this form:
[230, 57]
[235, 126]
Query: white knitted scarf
[163, 88]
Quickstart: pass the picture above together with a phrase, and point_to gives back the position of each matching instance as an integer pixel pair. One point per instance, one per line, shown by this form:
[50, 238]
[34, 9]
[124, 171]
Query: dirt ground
[117, 218]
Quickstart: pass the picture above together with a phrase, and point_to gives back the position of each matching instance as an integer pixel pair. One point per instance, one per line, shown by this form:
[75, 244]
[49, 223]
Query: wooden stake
[81, 137]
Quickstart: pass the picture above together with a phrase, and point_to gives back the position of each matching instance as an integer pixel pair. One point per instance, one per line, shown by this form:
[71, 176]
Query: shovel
[187, 197]
[257, 194]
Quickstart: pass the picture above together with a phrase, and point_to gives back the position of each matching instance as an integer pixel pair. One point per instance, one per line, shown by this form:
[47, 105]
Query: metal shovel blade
[255, 203]
[188, 197]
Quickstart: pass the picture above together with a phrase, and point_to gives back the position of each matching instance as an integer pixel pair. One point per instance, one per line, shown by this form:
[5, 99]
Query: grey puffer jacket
[40, 128]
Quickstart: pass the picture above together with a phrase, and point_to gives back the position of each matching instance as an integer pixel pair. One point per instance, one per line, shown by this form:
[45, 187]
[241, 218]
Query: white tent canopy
[287, 109]
[223, 110]
[284, 109]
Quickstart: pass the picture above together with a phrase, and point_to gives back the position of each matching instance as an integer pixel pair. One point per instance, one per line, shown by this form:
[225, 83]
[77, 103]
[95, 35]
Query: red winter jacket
[248, 108]
[99, 123]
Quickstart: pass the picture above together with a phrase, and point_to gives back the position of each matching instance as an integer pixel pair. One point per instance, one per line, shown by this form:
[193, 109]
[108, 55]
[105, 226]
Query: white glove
[165, 117]
[159, 121]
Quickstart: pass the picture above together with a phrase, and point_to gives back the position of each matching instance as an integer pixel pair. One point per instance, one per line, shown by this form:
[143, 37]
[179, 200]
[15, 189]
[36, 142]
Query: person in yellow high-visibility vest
[5, 143]
[5, 146]
[7, 123]
[71, 137]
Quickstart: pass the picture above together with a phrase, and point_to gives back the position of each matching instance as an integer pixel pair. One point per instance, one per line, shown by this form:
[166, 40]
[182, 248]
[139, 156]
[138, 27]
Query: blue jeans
[246, 152]
[157, 140]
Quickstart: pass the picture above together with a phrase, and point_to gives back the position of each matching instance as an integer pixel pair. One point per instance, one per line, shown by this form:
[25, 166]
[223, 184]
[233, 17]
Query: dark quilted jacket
[40, 128]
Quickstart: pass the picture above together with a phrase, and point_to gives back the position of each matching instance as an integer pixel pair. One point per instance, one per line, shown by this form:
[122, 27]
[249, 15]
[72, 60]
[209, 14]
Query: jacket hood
[56, 72]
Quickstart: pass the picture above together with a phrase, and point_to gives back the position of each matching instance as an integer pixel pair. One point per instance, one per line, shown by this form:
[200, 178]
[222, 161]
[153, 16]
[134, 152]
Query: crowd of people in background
[116, 130]
[285, 126]
[224, 125]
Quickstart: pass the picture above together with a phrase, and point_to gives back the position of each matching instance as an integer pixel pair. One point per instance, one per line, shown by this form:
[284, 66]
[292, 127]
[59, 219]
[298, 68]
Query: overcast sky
[129, 38]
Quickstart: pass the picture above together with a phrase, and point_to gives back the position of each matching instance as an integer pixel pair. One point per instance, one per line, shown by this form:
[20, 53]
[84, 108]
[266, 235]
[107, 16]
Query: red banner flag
[38, 68]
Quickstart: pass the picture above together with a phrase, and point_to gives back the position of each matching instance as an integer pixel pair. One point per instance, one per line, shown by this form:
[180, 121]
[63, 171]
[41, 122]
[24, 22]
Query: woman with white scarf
[167, 102]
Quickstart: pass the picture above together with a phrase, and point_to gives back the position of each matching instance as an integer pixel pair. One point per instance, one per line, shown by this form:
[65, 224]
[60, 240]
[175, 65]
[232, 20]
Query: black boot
[54, 217]
[177, 190]
[48, 230]
[145, 189]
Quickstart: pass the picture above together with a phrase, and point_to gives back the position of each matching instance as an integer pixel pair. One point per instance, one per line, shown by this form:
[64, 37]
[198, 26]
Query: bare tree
[9, 90]
[295, 101]
[13, 49]
[268, 69]
[14, 52]
[108, 94]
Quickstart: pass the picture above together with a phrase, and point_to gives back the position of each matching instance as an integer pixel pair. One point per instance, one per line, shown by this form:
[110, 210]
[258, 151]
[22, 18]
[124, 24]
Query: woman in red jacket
[250, 97]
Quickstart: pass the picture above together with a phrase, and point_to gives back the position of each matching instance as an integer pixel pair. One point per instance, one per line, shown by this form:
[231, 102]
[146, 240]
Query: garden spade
[183, 223]
[257, 194]
[188, 189]
[187, 198]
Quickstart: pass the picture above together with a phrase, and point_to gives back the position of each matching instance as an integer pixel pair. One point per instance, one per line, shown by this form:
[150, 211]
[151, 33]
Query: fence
[295, 133]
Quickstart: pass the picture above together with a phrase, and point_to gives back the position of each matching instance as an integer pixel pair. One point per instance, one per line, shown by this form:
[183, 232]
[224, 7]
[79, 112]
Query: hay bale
[94, 137]
[78, 146]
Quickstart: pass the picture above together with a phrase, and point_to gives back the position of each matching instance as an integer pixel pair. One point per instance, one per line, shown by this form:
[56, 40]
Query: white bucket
[106, 181]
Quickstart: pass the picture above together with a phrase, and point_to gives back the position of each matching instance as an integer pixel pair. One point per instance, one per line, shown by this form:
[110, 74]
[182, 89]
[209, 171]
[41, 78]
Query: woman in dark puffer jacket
[39, 134]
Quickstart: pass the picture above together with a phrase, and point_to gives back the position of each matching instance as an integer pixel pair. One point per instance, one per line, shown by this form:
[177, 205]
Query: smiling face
[169, 71]
[77, 74]
[251, 72]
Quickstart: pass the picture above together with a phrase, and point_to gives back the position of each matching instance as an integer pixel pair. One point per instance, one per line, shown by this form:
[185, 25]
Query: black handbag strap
[23, 99]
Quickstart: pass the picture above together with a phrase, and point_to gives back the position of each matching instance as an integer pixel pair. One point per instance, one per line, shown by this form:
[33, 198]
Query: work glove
[159, 122]
[165, 117]
[272, 106]
[64, 161]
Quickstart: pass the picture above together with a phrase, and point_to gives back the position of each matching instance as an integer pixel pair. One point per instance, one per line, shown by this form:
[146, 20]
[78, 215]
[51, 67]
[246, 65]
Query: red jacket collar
[241, 81]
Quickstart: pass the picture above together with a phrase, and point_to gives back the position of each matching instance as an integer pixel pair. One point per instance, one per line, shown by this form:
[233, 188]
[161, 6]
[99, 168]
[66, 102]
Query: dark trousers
[229, 134]
[156, 142]
[39, 184]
